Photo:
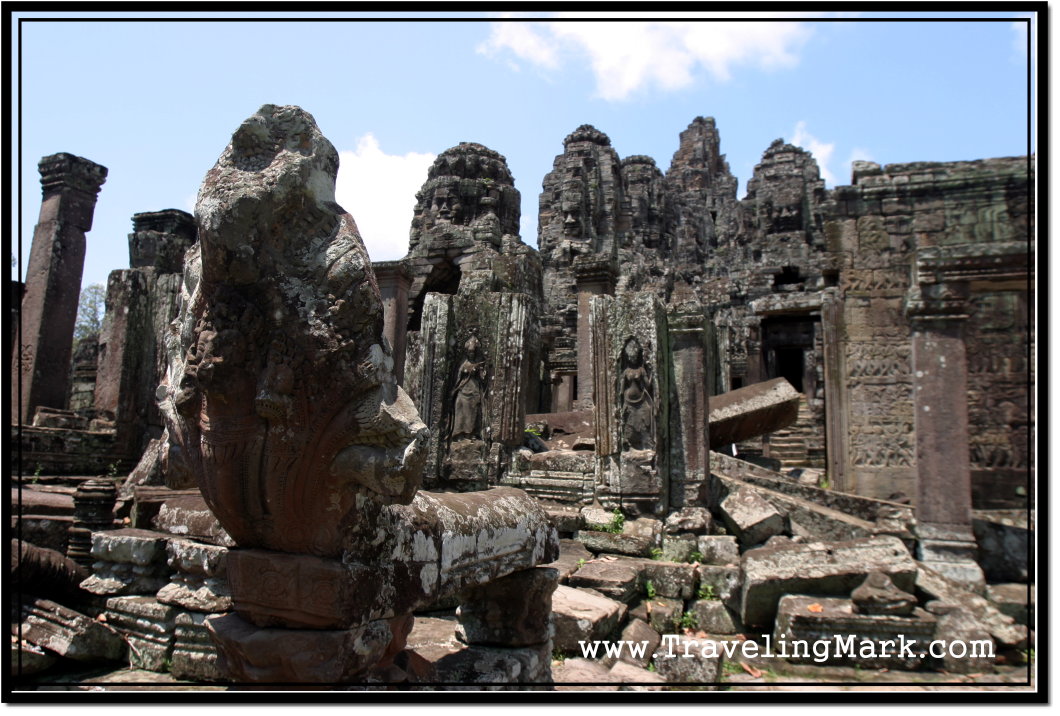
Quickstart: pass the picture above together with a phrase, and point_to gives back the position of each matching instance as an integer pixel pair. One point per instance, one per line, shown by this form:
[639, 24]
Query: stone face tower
[53, 282]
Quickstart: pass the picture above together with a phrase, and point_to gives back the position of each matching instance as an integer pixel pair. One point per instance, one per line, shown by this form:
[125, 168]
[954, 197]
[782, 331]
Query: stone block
[688, 520]
[639, 633]
[565, 518]
[1012, 600]
[678, 548]
[128, 562]
[1004, 629]
[572, 555]
[617, 580]
[200, 579]
[635, 678]
[713, 617]
[148, 628]
[581, 615]
[582, 675]
[663, 614]
[194, 653]
[833, 568]
[502, 668]
[966, 645]
[752, 411]
[750, 517]
[130, 546]
[68, 633]
[252, 654]
[878, 595]
[638, 538]
[669, 579]
[189, 516]
[685, 660]
[721, 582]
[718, 549]
[870, 641]
[512, 611]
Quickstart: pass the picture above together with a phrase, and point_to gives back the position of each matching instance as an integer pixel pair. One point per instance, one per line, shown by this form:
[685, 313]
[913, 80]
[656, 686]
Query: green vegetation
[689, 621]
[656, 553]
[90, 308]
[649, 589]
[695, 557]
[618, 521]
[706, 591]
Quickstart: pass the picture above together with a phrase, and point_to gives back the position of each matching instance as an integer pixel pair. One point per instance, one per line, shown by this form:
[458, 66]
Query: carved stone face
[283, 402]
[446, 206]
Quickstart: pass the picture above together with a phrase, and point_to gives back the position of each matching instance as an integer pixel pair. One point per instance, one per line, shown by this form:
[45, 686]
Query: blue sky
[156, 102]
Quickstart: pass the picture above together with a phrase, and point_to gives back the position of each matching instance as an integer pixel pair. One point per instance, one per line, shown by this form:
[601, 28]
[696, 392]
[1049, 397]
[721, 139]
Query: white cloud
[379, 190]
[524, 41]
[626, 57]
[821, 151]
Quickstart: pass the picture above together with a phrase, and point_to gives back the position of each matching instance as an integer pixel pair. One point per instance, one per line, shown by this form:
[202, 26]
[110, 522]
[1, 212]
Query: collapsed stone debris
[684, 419]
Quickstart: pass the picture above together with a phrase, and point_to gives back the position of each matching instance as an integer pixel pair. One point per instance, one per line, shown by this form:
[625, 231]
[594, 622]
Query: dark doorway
[444, 278]
[785, 343]
[790, 364]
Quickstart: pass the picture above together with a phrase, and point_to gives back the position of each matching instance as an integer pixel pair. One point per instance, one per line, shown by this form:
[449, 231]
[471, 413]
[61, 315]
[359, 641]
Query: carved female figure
[468, 393]
[638, 403]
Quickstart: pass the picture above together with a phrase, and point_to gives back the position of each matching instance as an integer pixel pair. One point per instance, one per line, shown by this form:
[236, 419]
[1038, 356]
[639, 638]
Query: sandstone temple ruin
[684, 415]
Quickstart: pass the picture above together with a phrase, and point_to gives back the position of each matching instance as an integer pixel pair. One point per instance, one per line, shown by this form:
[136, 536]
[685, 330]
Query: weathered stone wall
[878, 225]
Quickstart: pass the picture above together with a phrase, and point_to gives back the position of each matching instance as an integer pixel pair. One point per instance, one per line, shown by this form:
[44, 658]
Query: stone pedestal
[127, 562]
[148, 627]
[53, 283]
[394, 283]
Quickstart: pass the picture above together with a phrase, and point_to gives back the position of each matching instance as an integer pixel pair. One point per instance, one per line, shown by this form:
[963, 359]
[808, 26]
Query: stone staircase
[789, 445]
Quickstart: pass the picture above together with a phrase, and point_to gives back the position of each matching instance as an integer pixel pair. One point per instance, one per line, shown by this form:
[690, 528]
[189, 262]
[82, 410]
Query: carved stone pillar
[594, 277]
[53, 282]
[689, 413]
[394, 283]
[940, 402]
[631, 378]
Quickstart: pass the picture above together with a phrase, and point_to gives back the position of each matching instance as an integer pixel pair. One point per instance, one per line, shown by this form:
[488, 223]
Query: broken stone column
[280, 398]
[631, 380]
[140, 304]
[127, 562]
[93, 512]
[198, 589]
[68, 633]
[594, 276]
[394, 283]
[53, 283]
[940, 399]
